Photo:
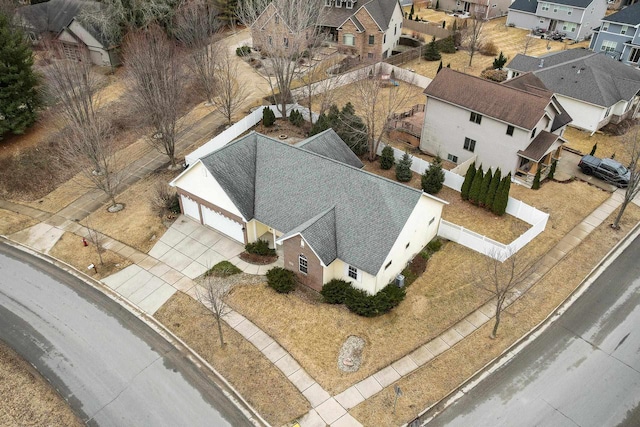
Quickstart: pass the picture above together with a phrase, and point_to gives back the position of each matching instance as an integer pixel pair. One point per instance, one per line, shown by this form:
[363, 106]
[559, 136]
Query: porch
[538, 156]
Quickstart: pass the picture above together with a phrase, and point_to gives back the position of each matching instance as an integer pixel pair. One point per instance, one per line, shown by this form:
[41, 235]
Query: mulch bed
[258, 259]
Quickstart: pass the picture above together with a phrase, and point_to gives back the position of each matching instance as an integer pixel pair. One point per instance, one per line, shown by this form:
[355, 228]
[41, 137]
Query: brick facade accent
[292, 249]
[361, 43]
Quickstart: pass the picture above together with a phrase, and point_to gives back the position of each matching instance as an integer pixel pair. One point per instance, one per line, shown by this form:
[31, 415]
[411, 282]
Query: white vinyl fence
[472, 240]
[239, 128]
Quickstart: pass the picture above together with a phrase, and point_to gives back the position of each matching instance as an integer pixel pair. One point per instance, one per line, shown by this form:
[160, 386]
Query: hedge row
[359, 301]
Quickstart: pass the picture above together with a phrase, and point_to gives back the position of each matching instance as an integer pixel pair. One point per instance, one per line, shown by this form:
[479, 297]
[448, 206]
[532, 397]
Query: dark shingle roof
[502, 102]
[51, 16]
[629, 15]
[295, 190]
[329, 144]
[575, 3]
[380, 10]
[540, 144]
[591, 77]
[524, 6]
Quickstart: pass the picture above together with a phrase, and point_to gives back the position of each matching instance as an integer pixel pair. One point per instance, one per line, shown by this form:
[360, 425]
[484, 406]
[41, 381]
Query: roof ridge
[495, 83]
[561, 64]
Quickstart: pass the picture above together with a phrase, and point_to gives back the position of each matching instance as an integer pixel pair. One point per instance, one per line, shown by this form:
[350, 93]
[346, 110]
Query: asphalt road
[111, 367]
[584, 370]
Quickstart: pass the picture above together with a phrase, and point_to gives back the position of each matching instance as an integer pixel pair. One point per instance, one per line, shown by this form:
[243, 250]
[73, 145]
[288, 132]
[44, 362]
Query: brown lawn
[427, 385]
[608, 145]
[27, 398]
[252, 374]
[11, 222]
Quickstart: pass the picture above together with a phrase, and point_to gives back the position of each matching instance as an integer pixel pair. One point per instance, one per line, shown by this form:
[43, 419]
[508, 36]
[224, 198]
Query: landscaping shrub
[484, 188]
[260, 247]
[387, 158]
[433, 177]
[536, 181]
[295, 117]
[434, 246]
[468, 180]
[431, 52]
[349, 127]
[416, 267]
[403, 169]
[363, 304]
[281, 280]
[552, 170]
[593, 149]
[446, 45]
[268, 117]
[164, 199]
[474, 192]
[336, 291]
[489, 49]
[494, 75]
[502, 196]
[499, 62]
[223, 269]
[493, 188]
[243, 51]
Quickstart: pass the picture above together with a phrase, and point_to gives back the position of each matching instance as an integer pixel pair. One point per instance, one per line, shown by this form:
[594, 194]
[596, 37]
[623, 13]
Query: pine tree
[268, 117]
[502, 197]
[536, 180]
[552, 169]
[493, 189]
[484, 188]
[387, 158]
[403, 169]
[474, 192]
[439, 67]
[593, 149]
[411, 12]
[468, 180]
[446, 45]
[19, 98]
[433, 177]
[431, 52]
[499, 62]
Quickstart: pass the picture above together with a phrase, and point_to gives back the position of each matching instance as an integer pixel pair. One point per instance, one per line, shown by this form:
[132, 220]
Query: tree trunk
[220, 331]
[616, 223]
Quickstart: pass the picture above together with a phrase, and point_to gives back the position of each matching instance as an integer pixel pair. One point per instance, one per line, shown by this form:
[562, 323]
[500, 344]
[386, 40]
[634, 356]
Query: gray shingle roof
[629, 15]
[295, 190]
[580, 74]
[524, 6]
[380, 10]
[51, 16]
[329, 144]
[540, 144]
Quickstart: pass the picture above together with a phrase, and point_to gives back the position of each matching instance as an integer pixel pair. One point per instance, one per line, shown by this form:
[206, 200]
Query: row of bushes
[360, 302]
[259, 247]
[488, 190]
[431, 180]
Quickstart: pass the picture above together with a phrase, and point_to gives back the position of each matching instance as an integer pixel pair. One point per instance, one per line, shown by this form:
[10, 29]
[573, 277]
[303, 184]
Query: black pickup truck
[606, 169]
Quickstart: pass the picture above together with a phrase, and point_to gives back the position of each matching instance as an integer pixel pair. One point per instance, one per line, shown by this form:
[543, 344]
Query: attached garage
[223, 224]
[190, 207]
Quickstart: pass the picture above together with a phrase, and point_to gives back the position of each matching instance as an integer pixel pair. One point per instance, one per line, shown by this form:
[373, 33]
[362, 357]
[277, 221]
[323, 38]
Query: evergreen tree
[536, 180]
[268, 117]
[439, 67]
[433, 177]
[493, 189]
[387, 159]
[19, 98]
[499, 62]
[446, 45]
[593, 149]
[403, 169]
[552, 169]
[502, 197]
[449, 65]
[320, 125]
[437, 4]
[411, 12]
[431, 52]
[228, 11]
[474, 192]
[468, 180]
[484, 188]
[352, 130]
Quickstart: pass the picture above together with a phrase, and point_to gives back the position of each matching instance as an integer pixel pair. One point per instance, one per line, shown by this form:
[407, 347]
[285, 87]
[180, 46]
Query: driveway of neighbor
[568, 164]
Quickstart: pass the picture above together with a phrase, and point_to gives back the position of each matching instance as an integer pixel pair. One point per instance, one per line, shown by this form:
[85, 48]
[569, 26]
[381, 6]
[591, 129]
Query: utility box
[400, 281]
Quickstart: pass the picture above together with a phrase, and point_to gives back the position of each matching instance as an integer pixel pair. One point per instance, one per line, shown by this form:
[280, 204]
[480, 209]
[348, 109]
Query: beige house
[327, 218]
[368, 29]
[515, 125]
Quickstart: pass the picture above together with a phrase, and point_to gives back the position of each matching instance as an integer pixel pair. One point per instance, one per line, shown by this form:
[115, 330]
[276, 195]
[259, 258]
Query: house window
[348, 39]
[388, 264]
[372, 39]
[303, 264]
[510, 130]
[338, 3]
[407, 246]
[327, 2]
[370, 55]
[635, 55]
[431, 220]
[624, 29]
[555, 8]
[533, 132]
[349, 5]
[545, 6]
[353, 272]
[569, 26]
[384, 39]
[452, 158]
[395, 29]
[476, 118]
[286, 42]
[469, 144]
[608, 46]
[605, 26]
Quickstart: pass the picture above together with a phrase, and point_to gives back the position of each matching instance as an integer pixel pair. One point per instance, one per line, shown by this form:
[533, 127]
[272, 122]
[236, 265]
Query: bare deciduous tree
[502, 278]
[632, 147]
[155, 85]
[213, 295]
[473, 37]
[378, 99]
[526, 44]
[290, 29]
[230, 92]
[96, 239]
[316, 84]
[197, 27]
[88, 136]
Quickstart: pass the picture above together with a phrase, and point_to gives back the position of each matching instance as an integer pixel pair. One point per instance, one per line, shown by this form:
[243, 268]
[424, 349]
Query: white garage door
[190, 208]
[223, 224]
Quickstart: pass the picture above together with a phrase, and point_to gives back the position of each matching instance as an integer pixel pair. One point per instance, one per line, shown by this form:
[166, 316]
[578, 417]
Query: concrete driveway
[568, 165]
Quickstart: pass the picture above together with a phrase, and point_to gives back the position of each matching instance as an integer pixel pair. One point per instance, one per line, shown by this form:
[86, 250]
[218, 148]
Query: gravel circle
[350, 357]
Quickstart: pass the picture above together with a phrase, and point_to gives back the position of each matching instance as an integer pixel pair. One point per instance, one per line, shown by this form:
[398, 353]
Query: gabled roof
[381, 11]
[329, 144]
[51, 16]
[629, 15]
[341, 211]
[591, 77]
[529, 6]
[499, 101]
[539, 146]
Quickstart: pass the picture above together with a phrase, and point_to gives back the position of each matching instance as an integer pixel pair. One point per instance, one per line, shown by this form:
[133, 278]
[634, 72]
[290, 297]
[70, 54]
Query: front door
[552, 25]
[467, 6]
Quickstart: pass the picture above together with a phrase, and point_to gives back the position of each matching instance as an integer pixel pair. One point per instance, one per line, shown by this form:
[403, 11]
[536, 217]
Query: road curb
[229, 391]
[520, 344]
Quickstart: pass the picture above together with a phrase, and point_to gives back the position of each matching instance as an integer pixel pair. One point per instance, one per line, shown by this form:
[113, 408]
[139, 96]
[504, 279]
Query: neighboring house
[332, 220]
[618, 36]
[369, 29]
[56, 20]
[575, 18]
[516, 125]
[594, 88]
[484, 9]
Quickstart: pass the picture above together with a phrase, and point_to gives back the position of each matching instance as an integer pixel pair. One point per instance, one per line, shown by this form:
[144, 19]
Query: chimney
[541, 63]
